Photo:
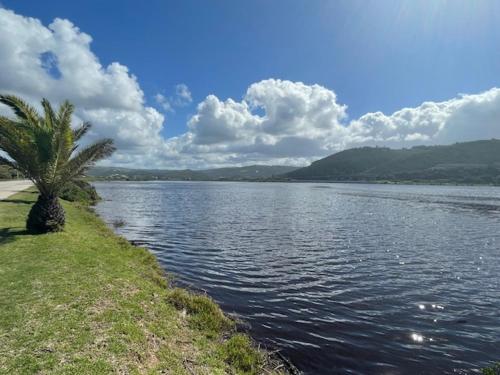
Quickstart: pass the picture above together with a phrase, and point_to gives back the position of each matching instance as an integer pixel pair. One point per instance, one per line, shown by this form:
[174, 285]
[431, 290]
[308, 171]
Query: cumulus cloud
[464, 118]
[181, 98]
[275, 121]
[301, 123]
[296, 121]
[109, 96]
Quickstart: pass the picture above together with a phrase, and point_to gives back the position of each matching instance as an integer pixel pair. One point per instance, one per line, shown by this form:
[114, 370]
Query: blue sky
[379, 55]
[411, 51]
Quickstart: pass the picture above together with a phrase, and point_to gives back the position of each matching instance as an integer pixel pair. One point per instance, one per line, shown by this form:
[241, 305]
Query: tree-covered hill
[469, 162]
[251, 172]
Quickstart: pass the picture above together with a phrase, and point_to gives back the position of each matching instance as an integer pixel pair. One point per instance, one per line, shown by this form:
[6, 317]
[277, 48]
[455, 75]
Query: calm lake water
[344, 278]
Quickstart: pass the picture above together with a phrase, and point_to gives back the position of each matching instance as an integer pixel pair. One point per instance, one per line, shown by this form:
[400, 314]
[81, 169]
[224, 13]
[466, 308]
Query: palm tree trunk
[46, 215]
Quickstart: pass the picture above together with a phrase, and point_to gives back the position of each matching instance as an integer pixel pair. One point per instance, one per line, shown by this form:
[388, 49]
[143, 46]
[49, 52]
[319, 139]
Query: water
[344, 278]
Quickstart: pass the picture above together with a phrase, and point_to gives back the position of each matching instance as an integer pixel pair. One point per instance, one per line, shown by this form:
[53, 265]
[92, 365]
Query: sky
[196, 84]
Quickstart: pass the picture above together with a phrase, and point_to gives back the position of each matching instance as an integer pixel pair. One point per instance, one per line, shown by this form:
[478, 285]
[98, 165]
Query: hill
[252, 172]
[469, 162]
[116, 173]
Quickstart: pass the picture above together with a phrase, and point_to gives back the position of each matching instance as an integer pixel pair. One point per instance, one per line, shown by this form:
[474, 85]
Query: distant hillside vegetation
[247, 173]
[252, 172]
[470, 162]
[7, 173]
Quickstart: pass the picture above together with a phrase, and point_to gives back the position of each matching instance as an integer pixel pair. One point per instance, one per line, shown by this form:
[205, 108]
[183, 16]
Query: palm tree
[44, 149]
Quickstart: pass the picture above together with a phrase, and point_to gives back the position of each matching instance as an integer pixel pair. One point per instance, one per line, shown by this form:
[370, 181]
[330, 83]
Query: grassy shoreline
[87, 301]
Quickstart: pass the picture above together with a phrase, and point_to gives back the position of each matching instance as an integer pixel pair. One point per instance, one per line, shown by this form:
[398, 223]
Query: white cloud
[217, 122]
[296, 121]
[276, 121]
[296, 109]
[464, 118]
[109, 96]
[183, 94]
[301, 123]
[164, 102]
[181, 98]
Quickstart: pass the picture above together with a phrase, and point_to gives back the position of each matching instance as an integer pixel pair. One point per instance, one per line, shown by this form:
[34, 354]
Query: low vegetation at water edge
[85, 301]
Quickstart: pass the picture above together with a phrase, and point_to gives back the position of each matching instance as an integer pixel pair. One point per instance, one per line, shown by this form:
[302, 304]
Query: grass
[493, 370]
[85, 301]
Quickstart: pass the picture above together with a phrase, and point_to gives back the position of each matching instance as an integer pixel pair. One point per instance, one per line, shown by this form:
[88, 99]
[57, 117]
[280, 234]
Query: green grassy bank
[85, 301]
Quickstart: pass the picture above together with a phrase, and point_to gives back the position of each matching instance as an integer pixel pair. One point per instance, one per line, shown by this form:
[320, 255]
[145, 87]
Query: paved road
[7, 188]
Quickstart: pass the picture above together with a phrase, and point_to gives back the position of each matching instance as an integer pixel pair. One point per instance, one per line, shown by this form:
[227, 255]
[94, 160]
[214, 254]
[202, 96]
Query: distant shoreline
[367, 182]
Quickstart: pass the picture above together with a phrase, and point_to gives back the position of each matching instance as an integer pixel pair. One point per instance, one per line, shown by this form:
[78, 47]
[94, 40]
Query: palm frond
[22, 109]
[44, 147]
[50, 116]
[16, 140]
[6, 122]
[8, 162]
[65, 112]
[87, 158]
[13, 165]
[43, 138]
[63, 137]
[81, 131]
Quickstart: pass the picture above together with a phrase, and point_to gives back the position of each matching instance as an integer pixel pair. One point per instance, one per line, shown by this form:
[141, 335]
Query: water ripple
[344, 278]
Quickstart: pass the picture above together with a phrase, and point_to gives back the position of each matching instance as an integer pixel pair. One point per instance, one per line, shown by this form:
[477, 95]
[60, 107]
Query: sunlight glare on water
[369, 279]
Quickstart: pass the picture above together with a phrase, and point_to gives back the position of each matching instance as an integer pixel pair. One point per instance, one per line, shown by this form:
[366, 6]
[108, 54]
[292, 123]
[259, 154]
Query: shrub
[80, 191]
[7, 173]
